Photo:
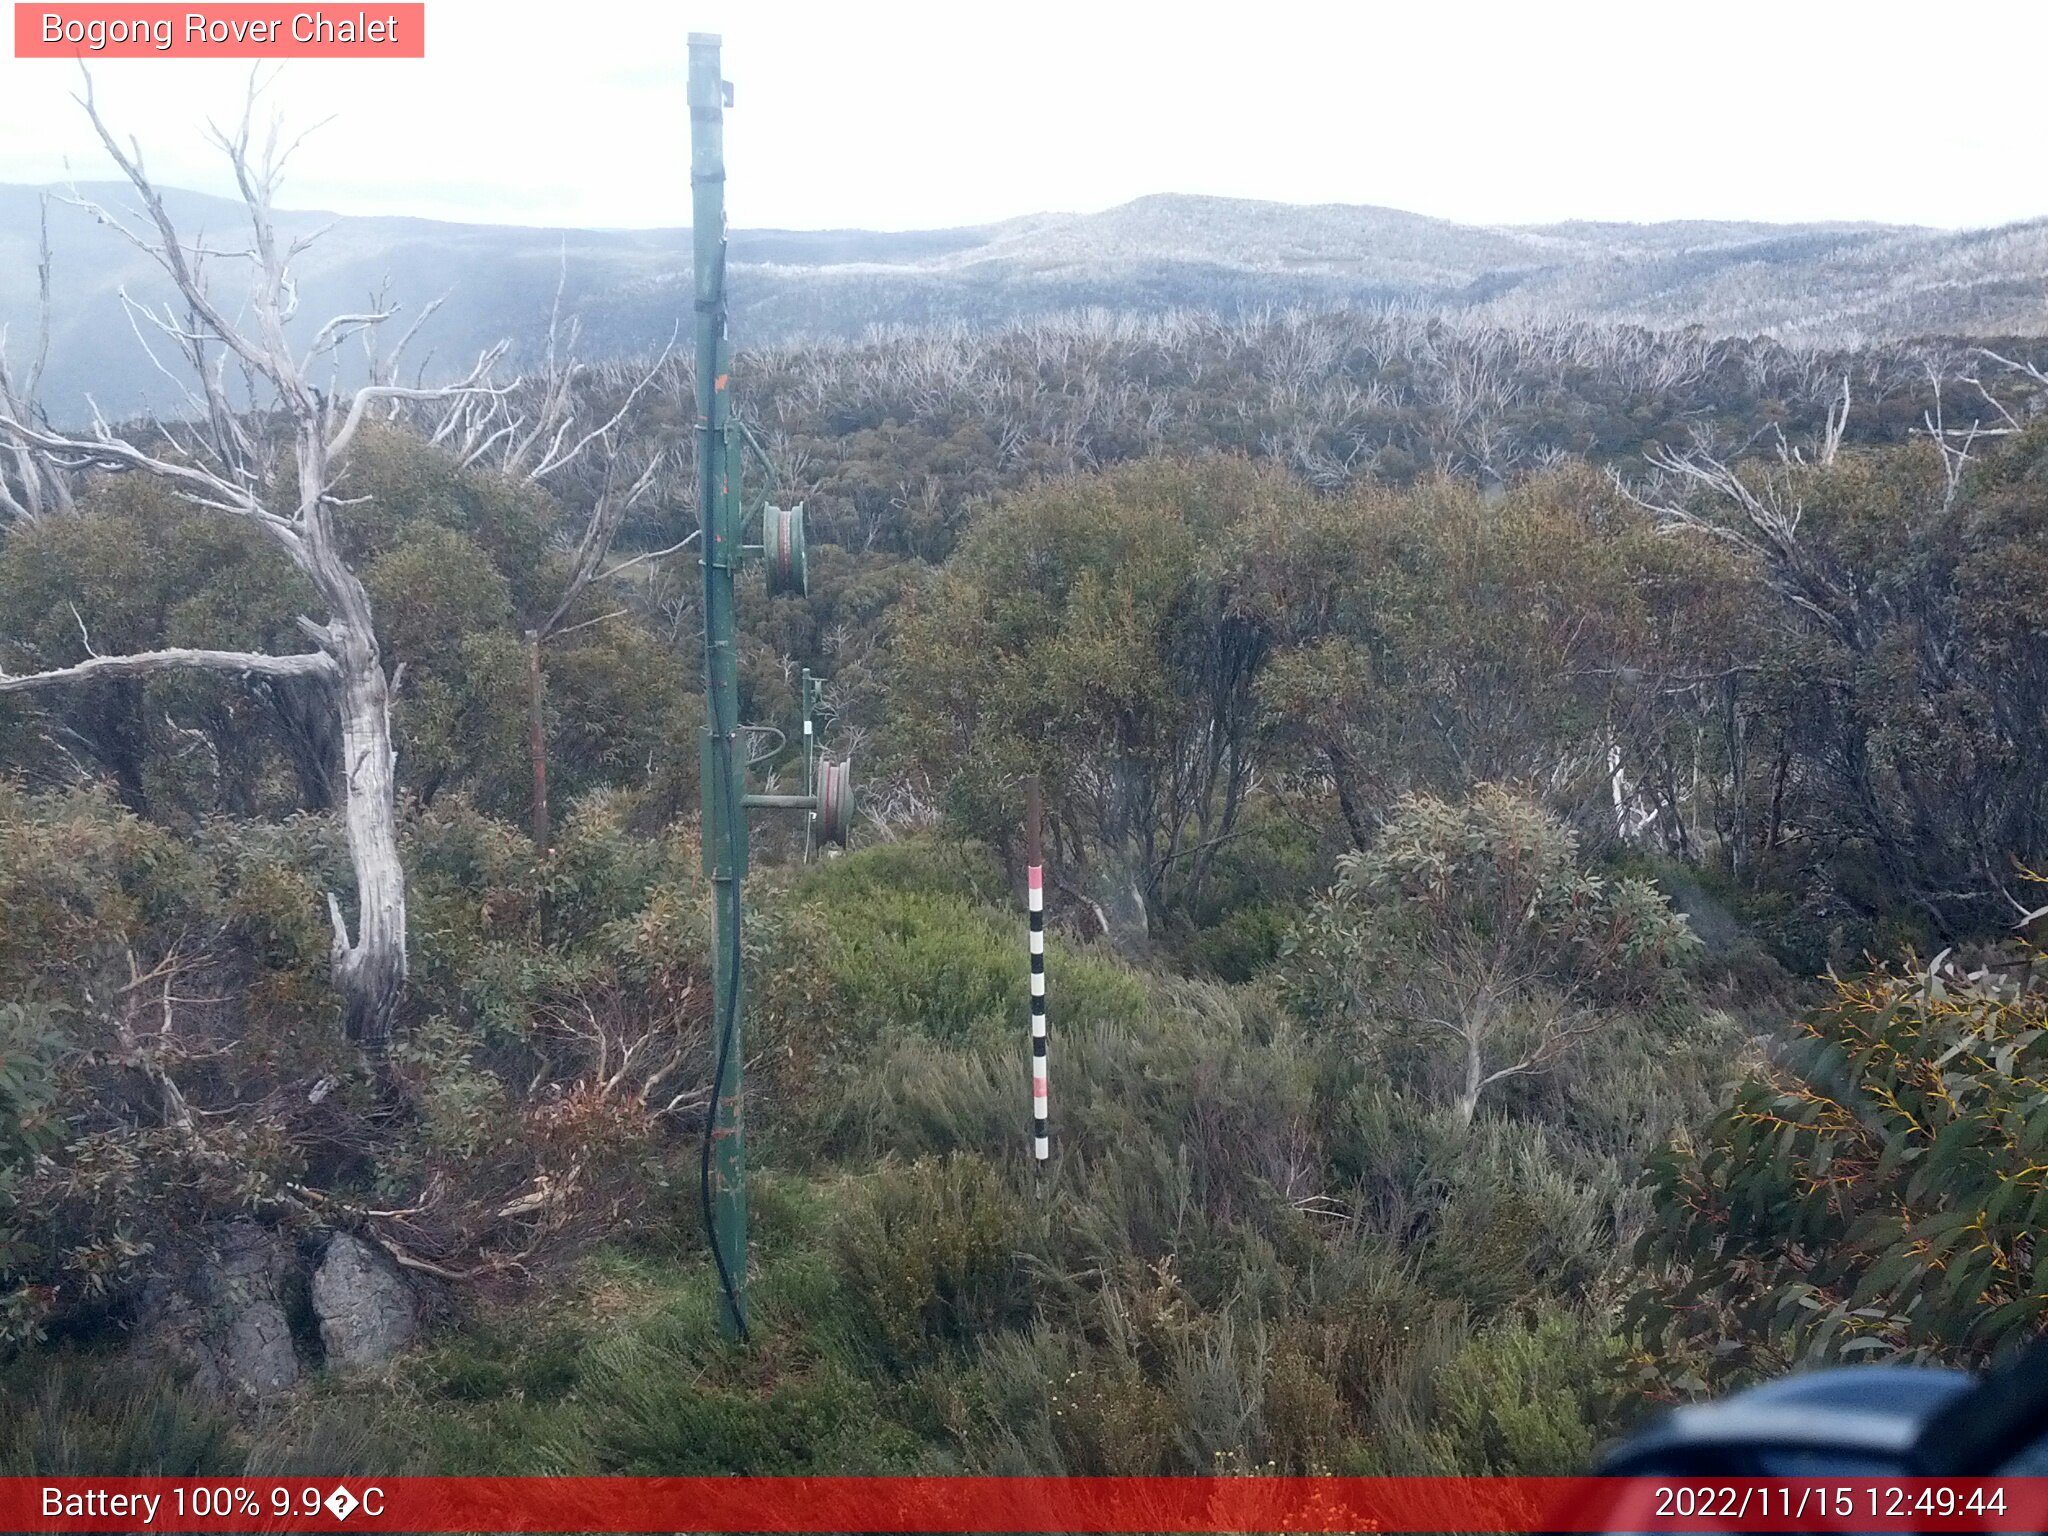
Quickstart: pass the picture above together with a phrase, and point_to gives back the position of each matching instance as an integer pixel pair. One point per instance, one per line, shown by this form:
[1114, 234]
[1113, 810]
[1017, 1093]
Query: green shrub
[82, 882]
[849, 968]
[66, 1413]
[1110, 1420]
[666, 1395]
[1305, 1417]
[536, 1358]
[1240, 945]
[1527, 1398]
[1469, 947]
[926, 963]
[966, 871]
[30, 1042]
[29, 1046]
[928, 1252]
[1492, 1215]
[1875, 1190]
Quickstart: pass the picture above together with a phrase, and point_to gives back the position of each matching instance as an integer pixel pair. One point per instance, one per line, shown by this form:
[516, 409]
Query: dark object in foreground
[1867, 1421]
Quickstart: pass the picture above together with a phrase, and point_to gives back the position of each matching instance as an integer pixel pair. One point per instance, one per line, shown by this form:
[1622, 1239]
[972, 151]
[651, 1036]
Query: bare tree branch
[217, 464]
[35, 486]
[315, 664]
[477, 382]
[603, 526]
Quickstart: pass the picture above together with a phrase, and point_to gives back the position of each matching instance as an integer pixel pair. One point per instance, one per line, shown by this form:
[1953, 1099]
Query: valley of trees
[1544, 828]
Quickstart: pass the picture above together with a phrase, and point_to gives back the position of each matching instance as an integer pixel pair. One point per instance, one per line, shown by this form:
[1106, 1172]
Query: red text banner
[237, 31]
[997, 1504]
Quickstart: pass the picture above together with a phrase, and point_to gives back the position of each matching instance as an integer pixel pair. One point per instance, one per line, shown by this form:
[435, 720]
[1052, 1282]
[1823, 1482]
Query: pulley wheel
[835, 801]
[782, 537]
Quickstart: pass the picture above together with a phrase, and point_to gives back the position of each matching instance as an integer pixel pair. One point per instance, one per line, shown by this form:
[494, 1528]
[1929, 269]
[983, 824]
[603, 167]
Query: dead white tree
[276, 460]
[1758, 512]
[31, 486]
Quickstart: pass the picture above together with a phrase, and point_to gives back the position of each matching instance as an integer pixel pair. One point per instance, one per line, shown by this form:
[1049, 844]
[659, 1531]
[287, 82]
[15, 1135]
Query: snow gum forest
[1546, 826]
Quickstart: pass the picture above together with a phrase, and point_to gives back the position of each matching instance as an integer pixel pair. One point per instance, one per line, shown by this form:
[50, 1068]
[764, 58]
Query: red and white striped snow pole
[1034, 881]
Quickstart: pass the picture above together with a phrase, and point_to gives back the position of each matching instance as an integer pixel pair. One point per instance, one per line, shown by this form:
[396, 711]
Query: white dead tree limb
[1829, 446]
[1953, 443]
[538, 428]
[1838, 423]
[306, 664]
[617, 495]
[276, 462]
[1759, 513]
[2016, 365]
[31, 485]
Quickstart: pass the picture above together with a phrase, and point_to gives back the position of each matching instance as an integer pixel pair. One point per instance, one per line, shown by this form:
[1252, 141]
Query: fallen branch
[148, 663]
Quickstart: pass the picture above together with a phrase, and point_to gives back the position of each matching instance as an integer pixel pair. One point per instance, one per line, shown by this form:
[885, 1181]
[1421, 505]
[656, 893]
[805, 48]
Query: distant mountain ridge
[631, 289]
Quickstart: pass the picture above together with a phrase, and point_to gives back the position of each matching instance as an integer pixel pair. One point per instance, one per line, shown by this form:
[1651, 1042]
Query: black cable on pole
[725, 1033]
[726, 1028]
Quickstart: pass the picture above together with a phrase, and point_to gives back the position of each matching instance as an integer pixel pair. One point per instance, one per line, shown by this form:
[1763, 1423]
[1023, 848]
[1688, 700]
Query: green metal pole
[724, 821]
[806, 699]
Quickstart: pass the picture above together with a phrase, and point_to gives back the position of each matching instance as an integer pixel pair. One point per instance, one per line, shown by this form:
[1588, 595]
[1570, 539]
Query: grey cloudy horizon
[903, 114]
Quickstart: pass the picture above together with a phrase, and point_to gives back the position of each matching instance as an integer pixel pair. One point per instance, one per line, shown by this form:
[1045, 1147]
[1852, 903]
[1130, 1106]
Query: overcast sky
[890, 114]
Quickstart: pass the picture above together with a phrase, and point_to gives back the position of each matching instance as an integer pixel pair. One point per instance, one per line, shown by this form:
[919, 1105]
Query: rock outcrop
[367, 1311]
[224, 1314]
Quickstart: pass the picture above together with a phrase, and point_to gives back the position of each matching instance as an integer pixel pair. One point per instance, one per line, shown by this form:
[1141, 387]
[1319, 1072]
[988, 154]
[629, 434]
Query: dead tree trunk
[218, 461]
[370, 971]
